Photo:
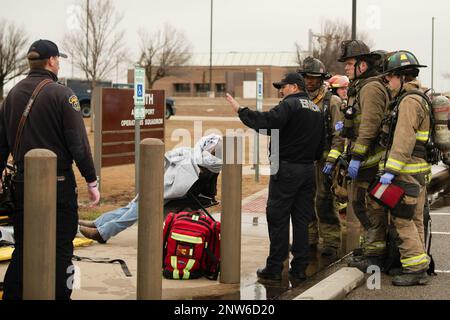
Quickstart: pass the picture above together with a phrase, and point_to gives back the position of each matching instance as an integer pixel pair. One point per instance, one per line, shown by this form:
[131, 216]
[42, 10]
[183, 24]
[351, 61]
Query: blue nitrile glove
[339, 126]
[328, 168]
[387, 178]
[353, 168]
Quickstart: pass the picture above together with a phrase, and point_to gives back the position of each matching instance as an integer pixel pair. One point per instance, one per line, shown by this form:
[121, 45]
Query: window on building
[220, 87]
[202, 87]
[182, 87]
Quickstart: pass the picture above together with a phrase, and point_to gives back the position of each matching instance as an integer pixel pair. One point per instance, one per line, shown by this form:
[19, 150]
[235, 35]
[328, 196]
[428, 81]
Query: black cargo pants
[66, 229]
[291, 196]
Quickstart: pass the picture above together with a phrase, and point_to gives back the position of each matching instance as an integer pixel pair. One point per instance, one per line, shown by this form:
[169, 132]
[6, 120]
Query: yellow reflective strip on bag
[334, 154]
[185, 238]
[414, 261]
[174, 264]
[186, 271]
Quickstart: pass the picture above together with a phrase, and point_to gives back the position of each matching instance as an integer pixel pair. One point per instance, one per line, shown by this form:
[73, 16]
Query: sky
[257, 25]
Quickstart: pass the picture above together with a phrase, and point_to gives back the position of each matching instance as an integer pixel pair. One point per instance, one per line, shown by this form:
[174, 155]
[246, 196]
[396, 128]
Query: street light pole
[210, 49]
[354, 20]
[432, 52]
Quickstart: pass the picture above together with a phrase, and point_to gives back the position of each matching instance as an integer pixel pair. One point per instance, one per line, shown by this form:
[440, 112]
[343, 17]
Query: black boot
[411, 279]
[298, 273]
[267, 274]
[366, 262]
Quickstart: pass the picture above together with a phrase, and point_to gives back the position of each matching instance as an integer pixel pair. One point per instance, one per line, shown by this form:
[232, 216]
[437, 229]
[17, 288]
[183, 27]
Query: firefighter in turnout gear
[368, 99]
[406, 132]
[314, 72]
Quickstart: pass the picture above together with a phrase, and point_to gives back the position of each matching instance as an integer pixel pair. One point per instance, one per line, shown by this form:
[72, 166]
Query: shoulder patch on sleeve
[73, 100]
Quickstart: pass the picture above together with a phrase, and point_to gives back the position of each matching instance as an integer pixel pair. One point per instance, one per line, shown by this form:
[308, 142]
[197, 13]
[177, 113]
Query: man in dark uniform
[54, 123]
[300, 126]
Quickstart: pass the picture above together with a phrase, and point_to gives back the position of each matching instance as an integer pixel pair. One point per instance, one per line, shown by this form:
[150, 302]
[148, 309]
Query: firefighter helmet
[314, 67]
[339, 81]
[355, 49]
[401, 60]
[379, 62]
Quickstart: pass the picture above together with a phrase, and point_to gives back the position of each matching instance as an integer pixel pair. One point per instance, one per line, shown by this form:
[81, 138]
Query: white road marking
[437, 232]
[442, 271]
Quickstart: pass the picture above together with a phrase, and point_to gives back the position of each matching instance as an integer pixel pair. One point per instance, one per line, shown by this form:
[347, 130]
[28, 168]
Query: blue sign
[140, 91]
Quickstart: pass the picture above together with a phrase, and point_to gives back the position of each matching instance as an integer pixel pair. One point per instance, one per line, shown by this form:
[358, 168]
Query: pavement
[438, 288]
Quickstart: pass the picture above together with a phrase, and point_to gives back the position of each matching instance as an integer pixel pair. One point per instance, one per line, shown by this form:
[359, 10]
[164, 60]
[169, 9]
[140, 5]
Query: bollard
[39, 246]
[230, 244]
[150, 227]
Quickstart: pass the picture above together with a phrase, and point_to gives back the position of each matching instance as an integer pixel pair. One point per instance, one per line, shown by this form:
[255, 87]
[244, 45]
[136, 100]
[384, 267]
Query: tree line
[97, 47]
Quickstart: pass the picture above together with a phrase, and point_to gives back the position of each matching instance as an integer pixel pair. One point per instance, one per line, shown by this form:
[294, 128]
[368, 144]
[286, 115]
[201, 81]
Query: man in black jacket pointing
[299, 142]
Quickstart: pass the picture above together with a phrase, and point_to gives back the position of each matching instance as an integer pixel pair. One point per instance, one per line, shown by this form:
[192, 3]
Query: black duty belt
[122, 263]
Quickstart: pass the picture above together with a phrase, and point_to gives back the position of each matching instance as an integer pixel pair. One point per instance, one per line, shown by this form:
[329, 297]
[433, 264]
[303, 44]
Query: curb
[334, 287]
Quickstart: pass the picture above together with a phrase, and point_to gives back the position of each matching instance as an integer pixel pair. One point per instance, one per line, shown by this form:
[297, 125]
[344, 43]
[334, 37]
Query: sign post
[259, 107]
[139, 115]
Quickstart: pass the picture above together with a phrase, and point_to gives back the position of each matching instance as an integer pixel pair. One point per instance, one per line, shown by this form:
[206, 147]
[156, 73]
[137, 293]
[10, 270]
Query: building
[232, 72]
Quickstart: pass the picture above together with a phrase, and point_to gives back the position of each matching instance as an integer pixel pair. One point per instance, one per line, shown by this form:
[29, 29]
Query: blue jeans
[111, 223]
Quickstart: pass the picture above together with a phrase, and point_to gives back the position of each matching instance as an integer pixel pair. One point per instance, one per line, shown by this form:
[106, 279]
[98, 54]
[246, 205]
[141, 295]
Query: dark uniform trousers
[66, 229]
[291, 195]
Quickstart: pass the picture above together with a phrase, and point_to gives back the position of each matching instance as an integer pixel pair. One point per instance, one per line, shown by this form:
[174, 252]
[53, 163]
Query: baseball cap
[45, 49]
[291, 78]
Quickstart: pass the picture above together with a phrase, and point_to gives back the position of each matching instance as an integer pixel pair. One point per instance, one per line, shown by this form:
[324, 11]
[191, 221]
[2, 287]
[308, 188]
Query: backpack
[191, 246]
[393, 253]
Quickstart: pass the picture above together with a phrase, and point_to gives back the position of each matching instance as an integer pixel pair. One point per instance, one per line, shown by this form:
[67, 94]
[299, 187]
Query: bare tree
[326, 45]
[162, 51]
[13, 62]
[97, 46]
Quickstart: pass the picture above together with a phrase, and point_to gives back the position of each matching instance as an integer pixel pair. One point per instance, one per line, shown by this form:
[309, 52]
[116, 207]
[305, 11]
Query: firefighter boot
[366, 262]
[411, 279]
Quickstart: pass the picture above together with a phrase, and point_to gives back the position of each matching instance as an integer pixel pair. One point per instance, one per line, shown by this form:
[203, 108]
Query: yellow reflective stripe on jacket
[186, 271]
[373, 160]
[334, 154]
[422, 136]
[402, 167]
[360, 149]
[395, 164]
[185, 238]
[174, 264]
[416, 168]
[415, 261]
